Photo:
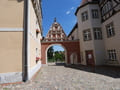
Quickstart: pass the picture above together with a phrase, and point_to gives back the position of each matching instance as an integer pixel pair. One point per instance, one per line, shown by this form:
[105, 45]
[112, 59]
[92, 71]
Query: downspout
[25, 66]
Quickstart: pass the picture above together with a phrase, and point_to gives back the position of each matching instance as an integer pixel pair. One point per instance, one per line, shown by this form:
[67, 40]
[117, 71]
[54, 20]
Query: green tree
[59, 56]
[50, 52]
[62, 56]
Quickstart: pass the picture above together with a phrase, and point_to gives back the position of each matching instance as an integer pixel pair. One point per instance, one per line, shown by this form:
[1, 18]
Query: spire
[55, 19]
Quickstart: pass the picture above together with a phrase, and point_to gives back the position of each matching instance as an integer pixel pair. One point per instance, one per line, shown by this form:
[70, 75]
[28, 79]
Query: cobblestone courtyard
[59, 77]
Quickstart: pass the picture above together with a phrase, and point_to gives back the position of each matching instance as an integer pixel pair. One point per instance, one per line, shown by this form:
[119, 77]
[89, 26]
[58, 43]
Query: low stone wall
[10, 77]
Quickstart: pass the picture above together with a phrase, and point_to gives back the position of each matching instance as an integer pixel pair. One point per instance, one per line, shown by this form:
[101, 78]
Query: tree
[63, 56]
[50, 52]
[59, 56]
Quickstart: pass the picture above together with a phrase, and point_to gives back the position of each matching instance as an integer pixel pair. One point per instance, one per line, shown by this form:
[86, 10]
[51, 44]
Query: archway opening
[56, 54]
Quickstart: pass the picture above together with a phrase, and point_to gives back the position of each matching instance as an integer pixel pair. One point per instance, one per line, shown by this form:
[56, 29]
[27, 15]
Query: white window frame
[84, 16]
[112, 55]
[87, 35]
[97, 33]
[110, 30]
[95, 13]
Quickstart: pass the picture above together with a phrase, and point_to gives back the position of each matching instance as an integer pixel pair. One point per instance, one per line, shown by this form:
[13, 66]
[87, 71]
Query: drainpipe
[25, 55]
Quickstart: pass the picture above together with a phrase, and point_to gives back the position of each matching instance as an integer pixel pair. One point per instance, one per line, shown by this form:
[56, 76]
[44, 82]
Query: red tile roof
[85, 1]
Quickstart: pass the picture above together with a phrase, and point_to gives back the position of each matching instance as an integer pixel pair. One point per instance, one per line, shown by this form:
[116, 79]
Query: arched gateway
[56, 36]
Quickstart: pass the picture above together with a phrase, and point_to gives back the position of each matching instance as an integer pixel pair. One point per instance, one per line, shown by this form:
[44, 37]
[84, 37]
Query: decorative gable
[56, 33]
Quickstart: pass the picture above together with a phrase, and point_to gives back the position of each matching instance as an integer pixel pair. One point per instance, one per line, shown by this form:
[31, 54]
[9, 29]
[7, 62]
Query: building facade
[110, 13]
[73, 35]
[99, 29]
[57, 36]
[20, 34]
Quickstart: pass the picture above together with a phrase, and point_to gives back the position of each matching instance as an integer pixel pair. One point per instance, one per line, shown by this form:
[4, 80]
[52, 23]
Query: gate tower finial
[55, 19]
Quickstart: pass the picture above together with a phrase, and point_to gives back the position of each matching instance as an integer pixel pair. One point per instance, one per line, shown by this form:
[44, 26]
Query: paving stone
[65, 78]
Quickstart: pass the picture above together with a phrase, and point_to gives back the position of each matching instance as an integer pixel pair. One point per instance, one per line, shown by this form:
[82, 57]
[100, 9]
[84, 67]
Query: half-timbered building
[99, 31]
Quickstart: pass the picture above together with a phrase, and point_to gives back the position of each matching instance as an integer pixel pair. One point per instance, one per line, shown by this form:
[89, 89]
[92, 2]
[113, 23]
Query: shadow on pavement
[60, 64]
[56, 64]
[111, 71]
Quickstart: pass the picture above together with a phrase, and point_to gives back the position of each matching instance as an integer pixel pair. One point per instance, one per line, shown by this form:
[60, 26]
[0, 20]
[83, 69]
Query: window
[95, 13]
[97, 33]
[112, 54]
[37, 55]
[87, 35]
[107, 7]
[85, 16]
[110, 30]
[72, 37]
[37, 34]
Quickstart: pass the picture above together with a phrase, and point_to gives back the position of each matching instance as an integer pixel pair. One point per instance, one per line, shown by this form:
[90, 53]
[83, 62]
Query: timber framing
[114, 10]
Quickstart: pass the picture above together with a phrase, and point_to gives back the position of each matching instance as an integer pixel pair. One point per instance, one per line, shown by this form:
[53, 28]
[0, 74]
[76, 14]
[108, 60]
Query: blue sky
[58, 48]
[63, 10]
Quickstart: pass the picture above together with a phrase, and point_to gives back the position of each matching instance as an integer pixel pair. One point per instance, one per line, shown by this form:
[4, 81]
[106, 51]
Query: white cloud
[72, 8]
[68, 12]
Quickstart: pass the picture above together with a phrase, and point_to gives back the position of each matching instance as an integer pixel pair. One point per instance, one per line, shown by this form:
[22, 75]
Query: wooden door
[90, 58]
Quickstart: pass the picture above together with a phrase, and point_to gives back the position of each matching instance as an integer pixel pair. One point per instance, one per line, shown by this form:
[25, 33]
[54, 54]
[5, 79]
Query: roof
[86, 2]
[76, 25]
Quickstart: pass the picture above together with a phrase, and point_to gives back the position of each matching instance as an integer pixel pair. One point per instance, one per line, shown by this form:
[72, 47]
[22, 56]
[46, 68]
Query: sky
[58, 48]
[63, 11]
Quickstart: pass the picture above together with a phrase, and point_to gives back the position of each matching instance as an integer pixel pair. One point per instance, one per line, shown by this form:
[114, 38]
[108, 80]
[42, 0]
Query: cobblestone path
[65, 78]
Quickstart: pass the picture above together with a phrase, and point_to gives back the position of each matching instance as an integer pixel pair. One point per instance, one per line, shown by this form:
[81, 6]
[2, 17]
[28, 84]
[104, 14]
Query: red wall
[70, 46]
